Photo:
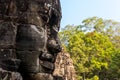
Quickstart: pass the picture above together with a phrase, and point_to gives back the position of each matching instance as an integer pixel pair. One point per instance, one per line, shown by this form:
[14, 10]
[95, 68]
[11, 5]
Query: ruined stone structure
[64, 67]
[29, 40]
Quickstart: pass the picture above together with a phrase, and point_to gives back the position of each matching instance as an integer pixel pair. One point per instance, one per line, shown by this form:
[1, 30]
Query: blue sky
[74, 11]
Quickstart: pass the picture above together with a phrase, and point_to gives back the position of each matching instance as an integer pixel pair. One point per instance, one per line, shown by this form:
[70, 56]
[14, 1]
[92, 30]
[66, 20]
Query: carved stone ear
[7, 35]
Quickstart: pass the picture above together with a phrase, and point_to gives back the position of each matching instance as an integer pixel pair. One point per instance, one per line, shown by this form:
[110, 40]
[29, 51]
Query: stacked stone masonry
[29, 41]
[64, 67]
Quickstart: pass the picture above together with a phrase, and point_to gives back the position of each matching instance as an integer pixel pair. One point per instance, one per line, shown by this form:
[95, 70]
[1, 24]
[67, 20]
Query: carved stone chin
[29, 39]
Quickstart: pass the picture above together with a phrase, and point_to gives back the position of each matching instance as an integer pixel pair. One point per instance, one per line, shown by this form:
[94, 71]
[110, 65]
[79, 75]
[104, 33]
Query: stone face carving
[29, 40]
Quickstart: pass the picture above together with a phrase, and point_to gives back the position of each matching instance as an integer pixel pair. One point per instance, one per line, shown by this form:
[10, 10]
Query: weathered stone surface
[64, 67]
[7, 35]
[31, 37]
[29, 40]
[29, 61]
[8, 75]
[8, 61]
[10, 64]
[45, 56]
[43, 76]
[39, 76]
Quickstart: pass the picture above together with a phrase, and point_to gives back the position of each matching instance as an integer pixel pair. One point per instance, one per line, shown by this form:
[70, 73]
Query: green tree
[114, 67]
[94, 47]
[91, 51]
[107, 27]
[112, 30]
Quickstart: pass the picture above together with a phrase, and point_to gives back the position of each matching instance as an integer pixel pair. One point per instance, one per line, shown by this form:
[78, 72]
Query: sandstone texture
[29, 42]
[64, 67]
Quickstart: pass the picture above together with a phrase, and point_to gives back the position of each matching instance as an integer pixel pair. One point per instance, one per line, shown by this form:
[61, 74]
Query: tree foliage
[93, 48]
[107, 27]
